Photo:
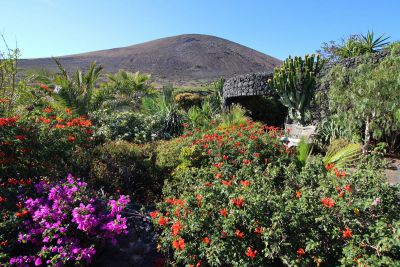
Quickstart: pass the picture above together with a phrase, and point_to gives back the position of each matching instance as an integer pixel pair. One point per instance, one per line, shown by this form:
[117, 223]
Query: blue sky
[45, 28]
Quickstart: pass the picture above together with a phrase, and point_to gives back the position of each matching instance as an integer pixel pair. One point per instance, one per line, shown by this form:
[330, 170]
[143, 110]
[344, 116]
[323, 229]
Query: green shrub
[188, 100]
[248, 202]
[129, 126]
[126, 167]
[167, 155]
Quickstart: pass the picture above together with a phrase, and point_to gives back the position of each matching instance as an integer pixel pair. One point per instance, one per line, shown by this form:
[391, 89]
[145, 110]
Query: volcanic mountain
[178, 59]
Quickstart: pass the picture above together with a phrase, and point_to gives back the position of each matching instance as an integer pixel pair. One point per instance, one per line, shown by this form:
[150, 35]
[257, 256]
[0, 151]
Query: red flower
[328, 202]
[176, 227]
[347, 187]
[162, 221]
[71, 139]
[328, 167]
[3, 199]
[339, 174]
[224, 212]
[245, 182]
[259, 230]
[239, 202]
[251, 253]
[43, 86]
[227, 183]
[22, 213]
[257, 155]
[300, 252]
[179, 244]
[154, 214]
[185, 125]
[341, 194]
[224, 157]
[206, 240]
[20, 137]
[246, 161]
[239, 234]
[347, 233]
[59, 126]
[298, 194]
[47, 110]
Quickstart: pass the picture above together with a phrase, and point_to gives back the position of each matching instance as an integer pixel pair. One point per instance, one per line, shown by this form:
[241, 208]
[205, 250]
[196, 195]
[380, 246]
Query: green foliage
[127, 167]
[303, 151]
[294, 82]
[333, 128]
[123, 90]
[187, 100]
[353, 46]
[342, 153]
[249, 203]
[42, 143]
[168, 156]
[8, 79]
[78, 90]
[235, 115]
[368, 97]
[129, 126]
[358, 45]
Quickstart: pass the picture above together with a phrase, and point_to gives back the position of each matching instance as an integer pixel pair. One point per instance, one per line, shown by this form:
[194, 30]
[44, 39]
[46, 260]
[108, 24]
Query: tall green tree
[369, 96]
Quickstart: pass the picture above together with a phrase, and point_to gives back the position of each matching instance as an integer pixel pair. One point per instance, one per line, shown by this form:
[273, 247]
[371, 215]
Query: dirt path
[393, 172]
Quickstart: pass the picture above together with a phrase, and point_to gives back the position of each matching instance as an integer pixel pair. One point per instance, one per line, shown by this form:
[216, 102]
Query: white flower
[376, 202]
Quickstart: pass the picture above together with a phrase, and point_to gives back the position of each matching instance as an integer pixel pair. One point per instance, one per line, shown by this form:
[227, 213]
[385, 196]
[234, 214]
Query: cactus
[294, 82]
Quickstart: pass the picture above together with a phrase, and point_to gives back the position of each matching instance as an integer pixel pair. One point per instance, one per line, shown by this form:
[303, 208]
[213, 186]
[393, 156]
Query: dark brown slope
[189, 57]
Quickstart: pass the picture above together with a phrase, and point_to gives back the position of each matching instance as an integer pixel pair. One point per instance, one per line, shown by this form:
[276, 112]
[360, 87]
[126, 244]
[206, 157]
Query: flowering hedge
[42, 142]
[245, 200]
[63, 224]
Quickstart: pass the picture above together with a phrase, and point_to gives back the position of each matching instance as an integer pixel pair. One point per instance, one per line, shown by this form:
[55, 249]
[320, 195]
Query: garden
[79, 152]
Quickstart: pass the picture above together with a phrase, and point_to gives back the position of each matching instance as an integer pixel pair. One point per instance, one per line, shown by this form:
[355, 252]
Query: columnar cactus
[294, 81]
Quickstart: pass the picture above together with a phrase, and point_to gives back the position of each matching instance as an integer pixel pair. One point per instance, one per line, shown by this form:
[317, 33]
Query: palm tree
[78, 90]
[127, 88]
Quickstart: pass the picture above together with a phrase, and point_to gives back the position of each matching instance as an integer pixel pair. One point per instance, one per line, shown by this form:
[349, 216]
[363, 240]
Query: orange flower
[259, 230]
[179, 244]
[347, 233]
[298, 194]
[328, 202]
[224, 212]
[226, 183]
[328, 167]
[347, 187]
[4, 100]
[162, 221]
[47, 110]
[22, 213]
[239, 234]
[341, 194]
[176, 227]
[239, 202]
[43, 86]
[71, 139]
[245, 182]
[153, 214]
[251, 253]
[206, 240]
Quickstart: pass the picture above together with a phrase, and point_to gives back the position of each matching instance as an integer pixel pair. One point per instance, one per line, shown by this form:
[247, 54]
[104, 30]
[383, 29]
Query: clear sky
[46, 28]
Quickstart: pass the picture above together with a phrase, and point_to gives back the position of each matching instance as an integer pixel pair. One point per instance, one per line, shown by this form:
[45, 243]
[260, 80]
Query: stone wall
[253, 84]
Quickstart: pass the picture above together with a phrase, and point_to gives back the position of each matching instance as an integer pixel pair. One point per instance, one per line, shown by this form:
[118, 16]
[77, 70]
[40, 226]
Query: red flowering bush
[245, 200]
[41, 143]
